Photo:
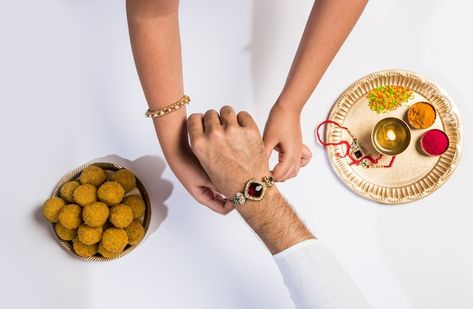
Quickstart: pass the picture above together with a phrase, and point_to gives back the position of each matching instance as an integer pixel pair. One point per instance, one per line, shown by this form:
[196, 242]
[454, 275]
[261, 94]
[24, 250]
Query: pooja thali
[413, 175]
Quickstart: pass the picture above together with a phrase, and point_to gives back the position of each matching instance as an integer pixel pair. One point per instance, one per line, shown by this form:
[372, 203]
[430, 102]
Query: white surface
[70, 94]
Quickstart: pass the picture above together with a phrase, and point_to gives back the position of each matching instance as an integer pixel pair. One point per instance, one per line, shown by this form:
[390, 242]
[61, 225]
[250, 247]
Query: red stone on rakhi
[255, 190]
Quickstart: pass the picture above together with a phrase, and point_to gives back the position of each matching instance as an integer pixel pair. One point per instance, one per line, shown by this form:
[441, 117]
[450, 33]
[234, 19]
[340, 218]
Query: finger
[228, 116]
[306, 155]
[195, 126]
[211, 121]
[245, 120]
[219, 206]
[283, 168]
[289, 173]
[294, 170]
[229, 205]
[207, 198]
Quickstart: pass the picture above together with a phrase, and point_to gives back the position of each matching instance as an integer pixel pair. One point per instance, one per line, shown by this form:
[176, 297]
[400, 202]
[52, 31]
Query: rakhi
[354, 151]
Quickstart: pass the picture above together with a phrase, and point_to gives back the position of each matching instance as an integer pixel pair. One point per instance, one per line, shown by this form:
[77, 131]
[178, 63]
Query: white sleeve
[315, 278]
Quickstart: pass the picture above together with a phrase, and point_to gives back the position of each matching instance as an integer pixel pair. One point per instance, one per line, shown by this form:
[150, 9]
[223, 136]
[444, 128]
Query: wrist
[238, 183]
[288, 106]
[171, 131]
[275, 222]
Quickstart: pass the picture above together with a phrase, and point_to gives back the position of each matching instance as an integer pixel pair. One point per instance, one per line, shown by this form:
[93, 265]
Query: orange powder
[421, 115]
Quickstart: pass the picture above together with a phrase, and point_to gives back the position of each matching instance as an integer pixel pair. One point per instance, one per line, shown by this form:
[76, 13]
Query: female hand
[283, 134]
[188, 170]
[172, 134]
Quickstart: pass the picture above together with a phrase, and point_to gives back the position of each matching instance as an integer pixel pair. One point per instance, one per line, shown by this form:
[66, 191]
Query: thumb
[282, 170]
[305, 156]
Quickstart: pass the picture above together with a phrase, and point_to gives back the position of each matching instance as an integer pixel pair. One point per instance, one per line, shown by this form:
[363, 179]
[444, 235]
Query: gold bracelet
[168, 109]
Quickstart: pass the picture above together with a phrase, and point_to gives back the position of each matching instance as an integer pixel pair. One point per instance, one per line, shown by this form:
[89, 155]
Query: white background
[69, 93]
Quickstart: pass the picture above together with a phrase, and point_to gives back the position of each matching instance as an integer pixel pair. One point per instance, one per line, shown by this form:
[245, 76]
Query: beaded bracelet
[254, 190]
[168, 109]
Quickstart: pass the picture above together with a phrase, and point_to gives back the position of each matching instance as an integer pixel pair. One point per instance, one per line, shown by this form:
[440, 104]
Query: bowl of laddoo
[99, 211]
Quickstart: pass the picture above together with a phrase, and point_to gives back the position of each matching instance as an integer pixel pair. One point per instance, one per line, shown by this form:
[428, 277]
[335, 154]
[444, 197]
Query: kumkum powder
[421, 115]
[434, 142]
[384, 99]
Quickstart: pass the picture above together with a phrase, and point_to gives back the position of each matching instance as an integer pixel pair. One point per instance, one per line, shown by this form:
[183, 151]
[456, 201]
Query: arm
[155, 40]
[231, 151]
[328, 26]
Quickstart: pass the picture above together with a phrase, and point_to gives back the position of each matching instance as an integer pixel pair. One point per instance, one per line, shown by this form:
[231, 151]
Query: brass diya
[391, 136]
[413, 175]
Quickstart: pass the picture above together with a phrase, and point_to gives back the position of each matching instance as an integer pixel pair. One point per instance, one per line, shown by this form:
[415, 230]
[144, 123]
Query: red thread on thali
[347, 153]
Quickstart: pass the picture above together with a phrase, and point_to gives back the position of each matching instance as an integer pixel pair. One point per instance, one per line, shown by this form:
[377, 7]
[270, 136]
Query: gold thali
[413, 175]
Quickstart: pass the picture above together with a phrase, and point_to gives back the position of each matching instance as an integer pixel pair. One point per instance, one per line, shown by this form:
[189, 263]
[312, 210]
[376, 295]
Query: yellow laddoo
[135, 232]
[125, 178]
[68, 189]
[114, 240]
[137, 205]
[70, 216]
[121, 215]
[107, 254]
[111, 193]
[82, 249]
[95, 214]
[63, 233]
[85, 194]
[93, 175]
[52, 207]
[89, 235]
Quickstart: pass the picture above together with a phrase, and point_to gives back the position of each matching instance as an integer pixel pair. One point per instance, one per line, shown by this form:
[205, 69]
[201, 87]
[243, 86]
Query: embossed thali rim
[74, 174]
[448, 114]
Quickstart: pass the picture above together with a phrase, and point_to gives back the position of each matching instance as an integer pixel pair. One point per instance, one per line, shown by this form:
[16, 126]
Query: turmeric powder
[421, 115]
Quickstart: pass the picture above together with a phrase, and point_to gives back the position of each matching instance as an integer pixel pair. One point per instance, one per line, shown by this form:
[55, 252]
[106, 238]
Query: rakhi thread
[348, 153]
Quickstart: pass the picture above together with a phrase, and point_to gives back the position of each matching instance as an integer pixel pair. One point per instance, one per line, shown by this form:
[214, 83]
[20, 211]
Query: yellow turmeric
[421, 115]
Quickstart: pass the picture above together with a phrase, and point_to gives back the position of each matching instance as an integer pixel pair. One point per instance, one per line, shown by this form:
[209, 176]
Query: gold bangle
[168, 109]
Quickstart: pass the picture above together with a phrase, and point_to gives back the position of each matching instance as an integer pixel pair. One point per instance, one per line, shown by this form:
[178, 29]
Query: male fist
[229, 148]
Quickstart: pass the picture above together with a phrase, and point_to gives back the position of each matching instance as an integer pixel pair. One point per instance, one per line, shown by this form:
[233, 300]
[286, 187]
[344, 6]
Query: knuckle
[253, 132]
[215, 134]
[243, 114]
[210, 112]
[195, 115]
[232, 130]
[226, 109]
[198, 145]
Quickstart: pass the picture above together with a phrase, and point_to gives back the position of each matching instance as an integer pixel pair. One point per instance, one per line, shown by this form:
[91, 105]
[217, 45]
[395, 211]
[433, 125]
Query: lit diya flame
[391, 136]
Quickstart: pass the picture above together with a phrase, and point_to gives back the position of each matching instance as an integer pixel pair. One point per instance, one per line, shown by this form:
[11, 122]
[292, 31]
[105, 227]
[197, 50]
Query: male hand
[231, 151]
[229, 148]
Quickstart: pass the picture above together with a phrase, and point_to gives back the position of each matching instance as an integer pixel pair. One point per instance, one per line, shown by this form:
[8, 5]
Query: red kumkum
[434, 142]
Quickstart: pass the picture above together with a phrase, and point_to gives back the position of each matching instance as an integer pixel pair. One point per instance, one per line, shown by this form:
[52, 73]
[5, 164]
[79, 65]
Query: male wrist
[275, 222]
